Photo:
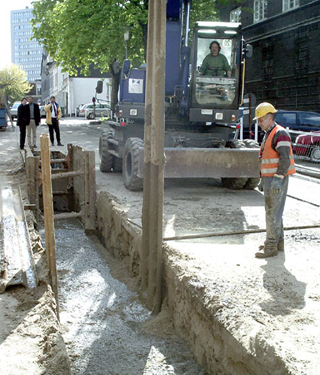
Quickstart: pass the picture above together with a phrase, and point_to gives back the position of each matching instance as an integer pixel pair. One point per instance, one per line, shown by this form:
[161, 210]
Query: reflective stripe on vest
[269, 159]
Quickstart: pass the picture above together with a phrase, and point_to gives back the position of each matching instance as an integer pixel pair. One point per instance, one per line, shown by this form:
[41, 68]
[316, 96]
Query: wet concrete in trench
[104, 322]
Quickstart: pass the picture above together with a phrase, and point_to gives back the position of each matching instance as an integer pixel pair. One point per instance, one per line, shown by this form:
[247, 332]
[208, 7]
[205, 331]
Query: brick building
[285, 35]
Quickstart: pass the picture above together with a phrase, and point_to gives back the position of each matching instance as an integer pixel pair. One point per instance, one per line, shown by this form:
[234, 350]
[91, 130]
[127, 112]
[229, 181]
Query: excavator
[201, 109]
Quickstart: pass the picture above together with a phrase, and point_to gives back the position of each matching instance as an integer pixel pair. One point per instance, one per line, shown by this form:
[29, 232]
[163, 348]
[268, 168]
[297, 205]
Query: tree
[13, 83]
[79, 33]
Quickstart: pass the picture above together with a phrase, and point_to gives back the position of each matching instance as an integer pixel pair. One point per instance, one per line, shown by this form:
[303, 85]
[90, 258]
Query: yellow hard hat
[263, 109]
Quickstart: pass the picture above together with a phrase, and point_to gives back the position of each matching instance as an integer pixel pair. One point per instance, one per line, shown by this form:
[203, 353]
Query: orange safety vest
[269, 158]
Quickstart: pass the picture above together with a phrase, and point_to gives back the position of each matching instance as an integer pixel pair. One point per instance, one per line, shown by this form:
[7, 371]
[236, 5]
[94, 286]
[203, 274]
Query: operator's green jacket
[215, 65]
[47, 109]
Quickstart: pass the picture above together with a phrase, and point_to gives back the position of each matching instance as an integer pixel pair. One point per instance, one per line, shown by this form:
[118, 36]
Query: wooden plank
[49, 215]
[154, 158]
[68, 215]
[90, 191]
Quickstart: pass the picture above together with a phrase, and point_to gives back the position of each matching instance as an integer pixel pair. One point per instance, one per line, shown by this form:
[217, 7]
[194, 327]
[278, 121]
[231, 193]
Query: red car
[310, 146]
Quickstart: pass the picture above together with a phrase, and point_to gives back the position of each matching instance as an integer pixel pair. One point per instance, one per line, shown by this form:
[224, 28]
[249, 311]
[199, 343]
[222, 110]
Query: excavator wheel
[130, 164]
[117, 165]
[234, 183]
[106, 159]
[252, 183]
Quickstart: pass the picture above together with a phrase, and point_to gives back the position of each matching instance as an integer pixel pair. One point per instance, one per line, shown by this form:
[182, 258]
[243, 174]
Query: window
[235, 15]
[301, 56]
[311, 119]
[289, 4]
[268, 60]
[287, 119]
[259, 10]
[213, 87]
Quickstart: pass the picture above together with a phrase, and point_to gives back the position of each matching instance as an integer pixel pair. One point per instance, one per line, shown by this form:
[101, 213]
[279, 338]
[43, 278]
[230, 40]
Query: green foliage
[202, 11]
[13, 81]
[79, 33]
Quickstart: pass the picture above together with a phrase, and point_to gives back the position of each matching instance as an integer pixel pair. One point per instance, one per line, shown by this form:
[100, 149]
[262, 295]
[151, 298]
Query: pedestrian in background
[34, 112]
[53, 115]
[23, 119]
[276, 164]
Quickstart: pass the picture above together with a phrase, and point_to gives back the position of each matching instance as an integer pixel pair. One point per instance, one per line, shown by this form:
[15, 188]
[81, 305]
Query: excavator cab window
[215, 81]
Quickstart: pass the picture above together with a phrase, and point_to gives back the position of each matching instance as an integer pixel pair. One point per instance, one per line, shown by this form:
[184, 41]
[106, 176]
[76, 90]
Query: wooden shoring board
[16, 259]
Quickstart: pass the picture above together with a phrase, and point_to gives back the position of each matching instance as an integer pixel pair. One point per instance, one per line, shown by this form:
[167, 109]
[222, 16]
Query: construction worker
[276, 164]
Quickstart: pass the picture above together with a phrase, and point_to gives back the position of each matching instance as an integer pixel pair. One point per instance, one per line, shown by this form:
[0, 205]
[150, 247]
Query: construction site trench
[224, 311]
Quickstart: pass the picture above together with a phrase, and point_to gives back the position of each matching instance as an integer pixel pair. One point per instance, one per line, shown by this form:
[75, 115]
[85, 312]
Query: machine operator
[215, 63]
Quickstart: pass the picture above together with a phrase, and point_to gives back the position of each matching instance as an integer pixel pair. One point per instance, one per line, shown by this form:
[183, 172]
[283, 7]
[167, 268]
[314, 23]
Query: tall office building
[24, 51]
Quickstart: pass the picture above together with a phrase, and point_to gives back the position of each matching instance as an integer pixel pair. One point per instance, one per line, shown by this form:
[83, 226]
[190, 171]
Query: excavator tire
[252, 183]
[106, 159]
[130, 164]
[117, 165]
[234, 183]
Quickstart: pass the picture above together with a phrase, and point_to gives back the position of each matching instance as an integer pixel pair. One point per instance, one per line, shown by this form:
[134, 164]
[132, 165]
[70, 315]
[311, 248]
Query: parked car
[82, 109]
[3, 119]
[308, 145]
[78, 109]
[102, 109]
[295, 121]
[298, 121]
[14, 109]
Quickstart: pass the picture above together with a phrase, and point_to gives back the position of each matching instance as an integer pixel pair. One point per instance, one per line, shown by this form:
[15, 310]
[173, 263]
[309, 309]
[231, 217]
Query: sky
[5, 30]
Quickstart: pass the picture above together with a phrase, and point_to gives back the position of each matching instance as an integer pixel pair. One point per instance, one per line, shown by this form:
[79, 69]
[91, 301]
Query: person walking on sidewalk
[53, 115]
[34, 122]
[23, 119]
[276, 164]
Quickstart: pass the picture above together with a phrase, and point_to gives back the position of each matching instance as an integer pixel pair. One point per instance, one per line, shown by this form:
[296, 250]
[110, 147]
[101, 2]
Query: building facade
[25, 52]
[285, 35]
[71, 91]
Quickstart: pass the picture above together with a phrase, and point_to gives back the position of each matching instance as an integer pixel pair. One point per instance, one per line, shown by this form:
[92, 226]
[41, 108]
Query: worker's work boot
[267, 250]
[266, 254]
[280, 246]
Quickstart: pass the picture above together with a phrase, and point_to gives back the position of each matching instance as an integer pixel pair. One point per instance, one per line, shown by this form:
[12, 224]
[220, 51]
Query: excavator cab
[216, 80]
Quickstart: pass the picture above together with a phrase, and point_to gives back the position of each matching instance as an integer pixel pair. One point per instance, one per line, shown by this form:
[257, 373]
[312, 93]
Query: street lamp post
[126, 38]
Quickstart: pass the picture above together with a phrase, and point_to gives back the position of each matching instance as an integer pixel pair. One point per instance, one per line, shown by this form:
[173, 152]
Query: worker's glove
[260, 185]
[276, 183]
